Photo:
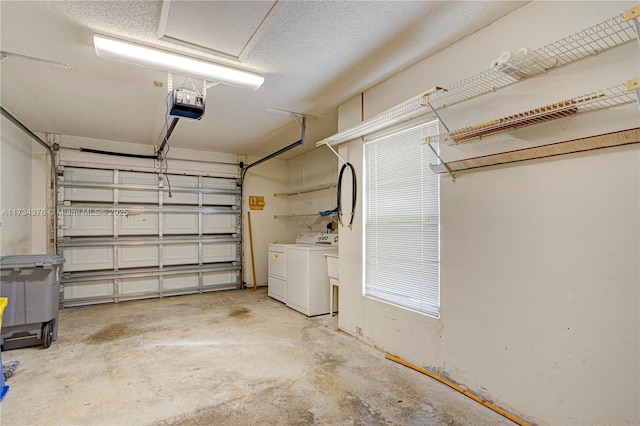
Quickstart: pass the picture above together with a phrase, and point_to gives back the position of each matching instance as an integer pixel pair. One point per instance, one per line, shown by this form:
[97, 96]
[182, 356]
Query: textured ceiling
[217, 27]
[314, 55]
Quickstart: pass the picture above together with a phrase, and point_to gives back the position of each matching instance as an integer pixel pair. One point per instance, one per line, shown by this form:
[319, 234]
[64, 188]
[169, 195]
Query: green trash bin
[31, 283]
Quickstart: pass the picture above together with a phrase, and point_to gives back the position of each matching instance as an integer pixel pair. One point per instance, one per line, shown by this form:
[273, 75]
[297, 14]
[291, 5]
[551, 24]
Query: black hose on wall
[354, 192]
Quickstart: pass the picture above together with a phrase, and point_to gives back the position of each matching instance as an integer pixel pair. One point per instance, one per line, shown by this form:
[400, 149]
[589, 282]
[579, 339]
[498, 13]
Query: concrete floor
[226, 358]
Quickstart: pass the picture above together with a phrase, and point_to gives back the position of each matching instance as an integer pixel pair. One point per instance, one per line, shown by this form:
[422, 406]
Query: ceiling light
[124, 51]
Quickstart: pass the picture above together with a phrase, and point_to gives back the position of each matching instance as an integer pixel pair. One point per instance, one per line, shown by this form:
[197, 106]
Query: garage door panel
[137, 256]
[138, 224]
[145, 197]
[180, 282]
[180, 254]
[219, 183]
[88, 194]
[219, 224]
[218, 278]
[79, 223]
[227, 252]
[182, 197]
[139, 286]
[219, 199]
[87, 258]
[179, 223]
[88, 289]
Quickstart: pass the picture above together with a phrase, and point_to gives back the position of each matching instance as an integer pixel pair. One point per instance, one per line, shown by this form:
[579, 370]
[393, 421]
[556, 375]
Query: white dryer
[277, 272]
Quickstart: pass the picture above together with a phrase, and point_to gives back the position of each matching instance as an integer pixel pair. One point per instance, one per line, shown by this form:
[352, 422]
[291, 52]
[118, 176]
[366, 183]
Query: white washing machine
[278, 264]
[298, 272]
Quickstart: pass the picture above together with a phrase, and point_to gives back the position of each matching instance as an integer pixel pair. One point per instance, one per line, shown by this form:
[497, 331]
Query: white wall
[539, 260]
[264, 180]
[311, 169]
[15, 190]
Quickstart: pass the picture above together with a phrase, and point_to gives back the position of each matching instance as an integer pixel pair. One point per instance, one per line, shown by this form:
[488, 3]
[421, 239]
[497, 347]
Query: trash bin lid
[46, 261]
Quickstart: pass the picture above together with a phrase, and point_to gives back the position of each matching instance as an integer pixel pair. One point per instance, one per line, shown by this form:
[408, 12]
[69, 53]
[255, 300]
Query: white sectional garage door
[124, 238]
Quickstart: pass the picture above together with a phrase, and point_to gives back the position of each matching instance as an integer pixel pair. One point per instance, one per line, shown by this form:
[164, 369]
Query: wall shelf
[588, 42]
[508, 69]
[305, 218]
[301, 217]
[626, 137]
[294, 216]
[308, 189]
[605, 98]
[512, 68]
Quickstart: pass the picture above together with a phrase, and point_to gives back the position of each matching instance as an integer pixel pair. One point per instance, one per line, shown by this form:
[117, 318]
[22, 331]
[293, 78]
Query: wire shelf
[605, 98]
[295, 215]
[625, 137]
[308, 189]
[590, 41]
[508, 69]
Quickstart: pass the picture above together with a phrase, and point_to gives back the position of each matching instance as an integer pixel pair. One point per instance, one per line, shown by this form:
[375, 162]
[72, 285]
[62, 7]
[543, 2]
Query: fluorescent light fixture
[405, 111]
[111, 48]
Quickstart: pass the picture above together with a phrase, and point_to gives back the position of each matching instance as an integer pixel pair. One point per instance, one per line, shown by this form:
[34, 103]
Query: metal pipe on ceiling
[275, 154]
[303, 125]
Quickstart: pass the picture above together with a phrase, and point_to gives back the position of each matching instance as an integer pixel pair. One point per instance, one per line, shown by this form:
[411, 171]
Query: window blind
[401, 220]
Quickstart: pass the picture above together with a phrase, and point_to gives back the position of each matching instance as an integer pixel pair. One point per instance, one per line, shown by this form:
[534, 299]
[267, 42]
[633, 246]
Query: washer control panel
[331, 239]
[308, 237]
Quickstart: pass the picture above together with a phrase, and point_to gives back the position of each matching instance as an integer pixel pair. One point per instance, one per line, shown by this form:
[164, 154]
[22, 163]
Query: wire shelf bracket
[442, 164]
[633, 15]
[634, 86]
[335, 153]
